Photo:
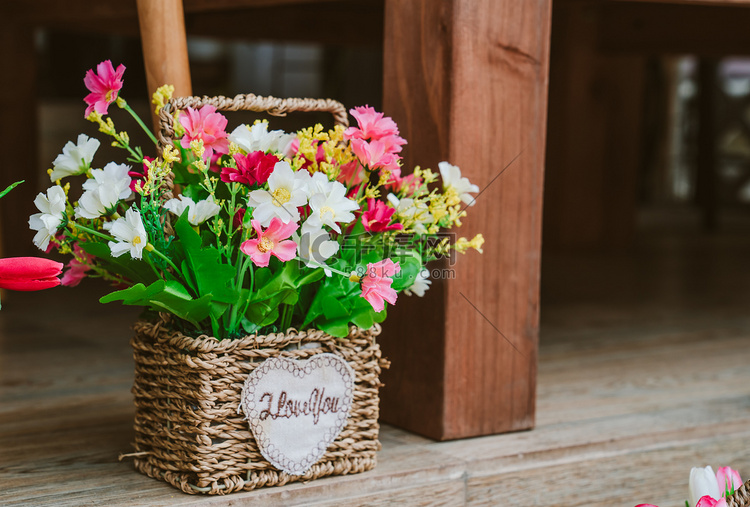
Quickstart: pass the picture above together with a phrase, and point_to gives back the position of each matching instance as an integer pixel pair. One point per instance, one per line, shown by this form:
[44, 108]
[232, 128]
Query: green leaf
[210, 274]
[410, 268]
[126, 266]
[333, 309]
[10, 187]
[338, 328]
[170, 296]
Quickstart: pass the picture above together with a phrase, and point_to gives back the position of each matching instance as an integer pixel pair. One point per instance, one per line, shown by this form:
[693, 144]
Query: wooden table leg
[466, 80]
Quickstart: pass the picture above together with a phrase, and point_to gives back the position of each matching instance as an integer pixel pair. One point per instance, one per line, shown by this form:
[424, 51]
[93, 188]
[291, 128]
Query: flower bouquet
[243, 245]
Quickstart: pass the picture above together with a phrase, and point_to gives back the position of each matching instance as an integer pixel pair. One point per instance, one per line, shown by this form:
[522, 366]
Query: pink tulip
[208, 126]
[646, 505]
[376, 284]
[707, 501]
[104, 84]
[729, 480]
[271, 241]
[378, 217]
[29, 273]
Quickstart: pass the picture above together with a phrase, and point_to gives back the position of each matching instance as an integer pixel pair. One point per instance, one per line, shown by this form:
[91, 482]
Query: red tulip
[29, 273]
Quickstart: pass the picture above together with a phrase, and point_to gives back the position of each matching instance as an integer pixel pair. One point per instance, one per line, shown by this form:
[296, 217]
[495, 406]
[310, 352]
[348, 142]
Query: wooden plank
[466, 82]
[593, 145]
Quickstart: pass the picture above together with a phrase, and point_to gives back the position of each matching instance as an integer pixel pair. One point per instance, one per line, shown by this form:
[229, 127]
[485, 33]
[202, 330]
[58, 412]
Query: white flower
[104, 190]
[421, 283]
[314, 246]
[452, 178]
[197, 212]
[90, 206]
[51, 218]
[287, 191]
[319, 184]
[702, 482]
[75, 158]
[258, 138]
[332, 207]
[130, 235]
[411, 212]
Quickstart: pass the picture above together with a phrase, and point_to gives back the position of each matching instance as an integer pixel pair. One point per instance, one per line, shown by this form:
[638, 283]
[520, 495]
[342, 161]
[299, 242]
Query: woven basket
[188, 390]
[741, 497]
[188, 431]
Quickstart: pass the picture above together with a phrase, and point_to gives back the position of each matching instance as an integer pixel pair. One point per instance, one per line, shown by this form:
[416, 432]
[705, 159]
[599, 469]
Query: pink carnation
[252, 168]
[374, 154]
[378, 217]
[104, 84]
[271, 241]
[208, 126]
[372, 124]
[376, 284]
[352, 173]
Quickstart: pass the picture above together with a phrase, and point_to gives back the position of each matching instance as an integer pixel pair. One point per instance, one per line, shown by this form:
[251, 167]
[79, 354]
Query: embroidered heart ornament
[297, 408]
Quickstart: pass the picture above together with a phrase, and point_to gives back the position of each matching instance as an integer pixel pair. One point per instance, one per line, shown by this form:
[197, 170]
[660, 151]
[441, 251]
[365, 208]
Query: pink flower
[729, 480]
[351, 173]
[646, 505]
[374, 154]
[252, 168]
[372, 125]
[136, 176]
[208, 126]
[407, 184]
[376, 284]
[378, 216]
[103, 85]
[271, 242]
[238, 218]
[707, 501]
[76, 268]
[29, 273]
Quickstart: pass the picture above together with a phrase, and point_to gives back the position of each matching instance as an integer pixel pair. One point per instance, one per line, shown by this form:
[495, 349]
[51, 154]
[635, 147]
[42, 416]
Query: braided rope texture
[741, 497]
[187, 394]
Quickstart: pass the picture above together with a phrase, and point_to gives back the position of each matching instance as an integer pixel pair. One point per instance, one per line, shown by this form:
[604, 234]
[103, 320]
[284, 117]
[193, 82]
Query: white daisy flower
[51, 217]
[421, 284]
[314, 246]
[258, 138]
[197, 212]
[286, 192]
[104, 190]
[332, 207]
[130, 235]
[452, 178]
[319, 184]
[75, 158]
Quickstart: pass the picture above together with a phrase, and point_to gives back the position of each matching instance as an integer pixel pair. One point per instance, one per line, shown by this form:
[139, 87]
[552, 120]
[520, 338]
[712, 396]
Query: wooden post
[466, 80]
[164, 42]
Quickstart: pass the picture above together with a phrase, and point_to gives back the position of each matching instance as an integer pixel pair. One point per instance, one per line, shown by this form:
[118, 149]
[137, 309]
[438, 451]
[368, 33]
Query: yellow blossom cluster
[335, 151]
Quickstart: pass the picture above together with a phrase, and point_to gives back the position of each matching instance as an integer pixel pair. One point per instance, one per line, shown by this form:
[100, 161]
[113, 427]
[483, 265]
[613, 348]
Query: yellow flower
[463, 244]
[161, 96]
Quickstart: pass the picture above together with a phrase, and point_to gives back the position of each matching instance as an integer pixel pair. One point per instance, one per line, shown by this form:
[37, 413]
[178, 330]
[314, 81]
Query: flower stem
[89, 230]
[150, 248]
[124, 105]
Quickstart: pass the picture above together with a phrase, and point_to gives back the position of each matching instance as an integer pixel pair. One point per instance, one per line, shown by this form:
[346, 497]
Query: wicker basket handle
[250, 102]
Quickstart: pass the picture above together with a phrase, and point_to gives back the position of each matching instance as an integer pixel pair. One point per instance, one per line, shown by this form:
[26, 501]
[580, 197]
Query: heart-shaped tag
[297, 408]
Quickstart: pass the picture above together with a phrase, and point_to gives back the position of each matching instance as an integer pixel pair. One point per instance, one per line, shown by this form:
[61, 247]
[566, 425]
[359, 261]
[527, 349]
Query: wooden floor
[643, 373]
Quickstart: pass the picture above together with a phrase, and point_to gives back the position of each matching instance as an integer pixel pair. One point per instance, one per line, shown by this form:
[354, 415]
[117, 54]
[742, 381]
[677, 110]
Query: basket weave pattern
[188, 430]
